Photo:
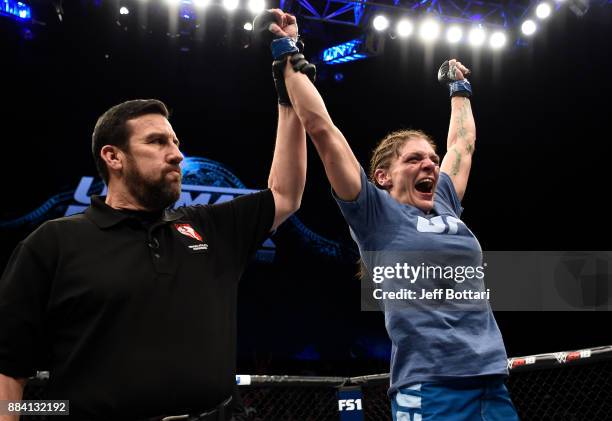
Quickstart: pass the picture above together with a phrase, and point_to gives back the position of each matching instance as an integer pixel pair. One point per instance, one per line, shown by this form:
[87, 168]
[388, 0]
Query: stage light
[528, 27]
[257, 6]
[173, 2]
[454, 34]
[380, 23]
[404, 28]
[498, 40]
[477, 37]
[15, 9]
[124, 11]
[248, 26]
[543, 10]
[230, 4]
[430, 30]
[201, 4]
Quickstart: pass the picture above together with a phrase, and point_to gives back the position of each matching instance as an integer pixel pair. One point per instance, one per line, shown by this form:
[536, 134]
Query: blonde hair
[389, 147]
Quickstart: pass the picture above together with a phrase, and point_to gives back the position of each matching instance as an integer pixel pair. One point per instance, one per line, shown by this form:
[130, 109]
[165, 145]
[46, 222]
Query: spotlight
[380, 23]
[404, 28]
[528, 27]
[124, 11]
[201, 4]
[257, 6]
[454, 34]
[543, 10]
[498, 40]
[230, 4]
[477, 37]
[248, 26]
[430, 30]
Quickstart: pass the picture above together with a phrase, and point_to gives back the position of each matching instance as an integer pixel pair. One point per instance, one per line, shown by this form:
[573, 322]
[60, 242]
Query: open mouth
[425, 185]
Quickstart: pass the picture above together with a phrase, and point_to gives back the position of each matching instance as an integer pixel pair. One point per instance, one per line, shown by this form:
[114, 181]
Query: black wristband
[278, 74]
[299, 64]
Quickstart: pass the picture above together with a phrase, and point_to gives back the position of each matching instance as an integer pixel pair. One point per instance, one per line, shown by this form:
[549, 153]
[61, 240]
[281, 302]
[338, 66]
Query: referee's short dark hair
[111, 127]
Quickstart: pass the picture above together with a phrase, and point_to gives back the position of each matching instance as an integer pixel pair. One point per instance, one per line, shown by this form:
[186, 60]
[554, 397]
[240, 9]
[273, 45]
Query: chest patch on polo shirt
[188, 231]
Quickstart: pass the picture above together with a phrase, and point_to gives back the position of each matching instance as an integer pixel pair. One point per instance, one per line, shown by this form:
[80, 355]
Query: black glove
[281, 49]
[300, 64]
[447, 76]
[261, 34]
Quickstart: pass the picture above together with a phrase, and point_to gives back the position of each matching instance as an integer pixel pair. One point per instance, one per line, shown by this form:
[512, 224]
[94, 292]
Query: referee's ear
[113, 157]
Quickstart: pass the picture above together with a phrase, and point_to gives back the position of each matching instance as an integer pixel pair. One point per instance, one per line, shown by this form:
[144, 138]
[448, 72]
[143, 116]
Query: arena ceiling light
[230, 4]
[543, 10]
[124, 11]
[404, 28]
[497, 40]
[257, 6]
[454, 34]
[429, 30]
[477, 36]
[248, 26]
[380, 23]
[528, 27]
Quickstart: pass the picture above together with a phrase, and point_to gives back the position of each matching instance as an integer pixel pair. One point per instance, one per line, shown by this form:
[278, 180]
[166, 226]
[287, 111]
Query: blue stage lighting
[366, 46]
[355, 49]
[337, 53]
[15, 9]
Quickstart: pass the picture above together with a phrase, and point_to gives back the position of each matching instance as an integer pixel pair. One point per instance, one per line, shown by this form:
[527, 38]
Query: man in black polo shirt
[133, 306]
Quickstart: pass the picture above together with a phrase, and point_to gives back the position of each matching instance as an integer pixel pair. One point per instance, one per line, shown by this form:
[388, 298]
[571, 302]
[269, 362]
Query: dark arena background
[540, 178]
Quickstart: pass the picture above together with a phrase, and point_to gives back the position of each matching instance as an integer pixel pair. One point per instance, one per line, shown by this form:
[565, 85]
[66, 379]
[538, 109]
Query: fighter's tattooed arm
[460, 144]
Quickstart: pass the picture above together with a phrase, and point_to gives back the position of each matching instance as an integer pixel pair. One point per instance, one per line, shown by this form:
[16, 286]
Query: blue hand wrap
[460, 88]
[283, 46]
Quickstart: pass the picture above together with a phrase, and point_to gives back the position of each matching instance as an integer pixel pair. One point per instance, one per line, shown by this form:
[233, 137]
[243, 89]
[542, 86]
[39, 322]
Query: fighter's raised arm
[462, 129]
[340, 164]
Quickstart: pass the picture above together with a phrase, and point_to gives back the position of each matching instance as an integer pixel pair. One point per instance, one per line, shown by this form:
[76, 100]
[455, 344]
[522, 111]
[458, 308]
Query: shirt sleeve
[247, 220]
[367, 211]
[24, 291]
[446, 192]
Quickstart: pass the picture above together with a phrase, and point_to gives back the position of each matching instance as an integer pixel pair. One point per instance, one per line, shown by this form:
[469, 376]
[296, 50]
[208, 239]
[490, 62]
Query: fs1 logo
[349, 405]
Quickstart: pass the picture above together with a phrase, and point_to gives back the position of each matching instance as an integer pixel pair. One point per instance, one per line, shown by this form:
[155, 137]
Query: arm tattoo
[457, 163]
[462, 132]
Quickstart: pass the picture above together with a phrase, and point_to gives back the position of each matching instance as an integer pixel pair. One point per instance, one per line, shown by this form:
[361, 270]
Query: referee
[131, 305]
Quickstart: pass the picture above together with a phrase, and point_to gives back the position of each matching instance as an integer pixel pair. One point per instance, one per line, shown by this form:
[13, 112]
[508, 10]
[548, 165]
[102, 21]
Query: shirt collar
[105, 216]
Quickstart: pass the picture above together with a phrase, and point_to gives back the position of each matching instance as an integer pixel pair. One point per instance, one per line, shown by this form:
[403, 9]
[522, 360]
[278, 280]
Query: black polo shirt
[133, 319]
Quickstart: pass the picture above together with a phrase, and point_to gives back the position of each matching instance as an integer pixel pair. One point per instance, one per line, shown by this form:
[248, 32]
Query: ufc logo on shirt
[437, 225]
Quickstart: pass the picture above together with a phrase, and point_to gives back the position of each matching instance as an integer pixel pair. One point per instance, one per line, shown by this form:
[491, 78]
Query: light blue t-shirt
[429, 344]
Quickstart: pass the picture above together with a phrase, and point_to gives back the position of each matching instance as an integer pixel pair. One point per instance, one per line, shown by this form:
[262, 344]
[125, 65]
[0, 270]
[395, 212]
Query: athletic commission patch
[187, 229]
